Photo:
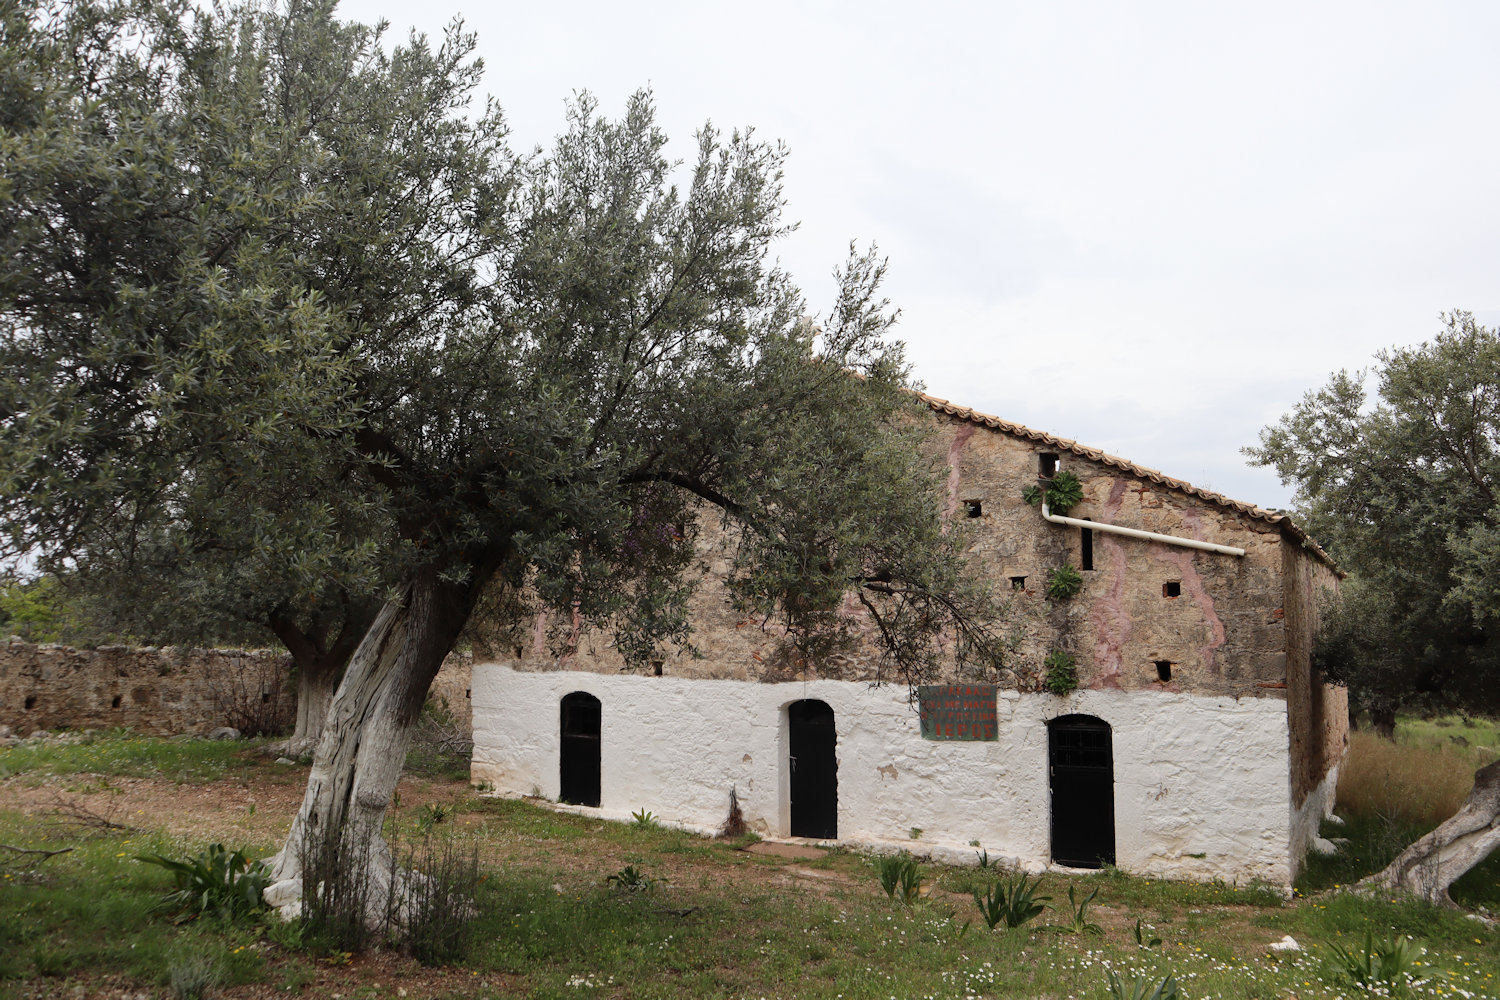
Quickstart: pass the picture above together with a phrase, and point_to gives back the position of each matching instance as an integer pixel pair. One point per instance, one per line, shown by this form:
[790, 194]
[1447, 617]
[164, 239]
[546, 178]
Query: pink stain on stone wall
[1192, 586]
[1111, 623]
[955, 451]
[539, 635]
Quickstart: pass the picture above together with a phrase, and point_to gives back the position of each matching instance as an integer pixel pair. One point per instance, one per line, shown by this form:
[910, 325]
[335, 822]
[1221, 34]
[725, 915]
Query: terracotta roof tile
[1281, 520]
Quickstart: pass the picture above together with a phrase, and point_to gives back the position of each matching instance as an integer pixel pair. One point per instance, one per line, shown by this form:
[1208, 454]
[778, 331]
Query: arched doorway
[579, 759]
[814, 793]
[1080, 759]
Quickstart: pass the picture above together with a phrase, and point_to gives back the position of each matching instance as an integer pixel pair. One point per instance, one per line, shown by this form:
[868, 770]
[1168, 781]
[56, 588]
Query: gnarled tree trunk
[1428, 867]
[363, 746]
[316, 684]
[319, 655]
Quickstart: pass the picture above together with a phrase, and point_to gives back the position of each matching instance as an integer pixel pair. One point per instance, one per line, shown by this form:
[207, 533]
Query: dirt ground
[256, 808]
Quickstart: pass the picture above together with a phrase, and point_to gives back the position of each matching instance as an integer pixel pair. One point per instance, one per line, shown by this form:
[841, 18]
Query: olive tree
[275, 290]
[1402, 489]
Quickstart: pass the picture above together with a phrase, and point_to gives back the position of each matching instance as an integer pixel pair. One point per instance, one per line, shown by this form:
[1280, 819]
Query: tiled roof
[1282, 521]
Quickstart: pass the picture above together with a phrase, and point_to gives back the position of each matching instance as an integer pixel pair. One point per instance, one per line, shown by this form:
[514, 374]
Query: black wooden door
[814, 768]
[1081, 762]
[581, 715]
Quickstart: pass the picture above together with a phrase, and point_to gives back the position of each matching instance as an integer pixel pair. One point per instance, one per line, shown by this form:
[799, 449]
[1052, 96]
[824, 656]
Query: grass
[1392, 792]
[186, 759]
[720, 922]
[87, 910]
[1419, 778]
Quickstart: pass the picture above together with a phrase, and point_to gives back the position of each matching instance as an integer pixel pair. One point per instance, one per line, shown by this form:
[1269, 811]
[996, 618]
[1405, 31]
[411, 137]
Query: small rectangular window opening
[656, 667]
[1172, 588]
[1163, 670]
[1087, 555]
[1018, 583]
[974, 508]
[265, 697]
[469, 693]
[1047, 464]
[30, 702]
[114, 702]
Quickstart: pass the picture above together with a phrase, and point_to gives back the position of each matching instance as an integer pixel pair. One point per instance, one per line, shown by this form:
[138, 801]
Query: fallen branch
[44, 854]
[75, 813]
[1428, 867]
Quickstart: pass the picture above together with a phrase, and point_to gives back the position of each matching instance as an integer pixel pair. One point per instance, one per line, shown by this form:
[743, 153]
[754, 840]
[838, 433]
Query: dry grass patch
[1418, 784]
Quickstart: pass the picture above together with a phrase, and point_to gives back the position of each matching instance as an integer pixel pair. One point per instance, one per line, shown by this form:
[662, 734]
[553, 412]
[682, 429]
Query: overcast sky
[1149, 227]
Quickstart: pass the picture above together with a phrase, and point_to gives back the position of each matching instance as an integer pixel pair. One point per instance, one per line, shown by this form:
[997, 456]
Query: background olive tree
[1402, 490]
[280, 301]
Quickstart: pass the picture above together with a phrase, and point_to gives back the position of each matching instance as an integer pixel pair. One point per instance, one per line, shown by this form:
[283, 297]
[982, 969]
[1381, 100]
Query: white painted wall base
[1307, 817]
[1201, 783]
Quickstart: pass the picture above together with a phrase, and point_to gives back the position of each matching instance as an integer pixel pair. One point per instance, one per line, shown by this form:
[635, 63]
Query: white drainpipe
[1150, 536]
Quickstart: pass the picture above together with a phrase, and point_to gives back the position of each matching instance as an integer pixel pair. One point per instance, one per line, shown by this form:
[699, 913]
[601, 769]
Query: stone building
[1199, 743]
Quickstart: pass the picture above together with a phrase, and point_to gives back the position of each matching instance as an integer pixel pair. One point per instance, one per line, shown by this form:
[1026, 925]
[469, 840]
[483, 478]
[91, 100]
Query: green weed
[899, 877]
[217, 882]
[630, 879]
[1164, 990]
[1011, 902]
[1386, 962]
[1078, 916]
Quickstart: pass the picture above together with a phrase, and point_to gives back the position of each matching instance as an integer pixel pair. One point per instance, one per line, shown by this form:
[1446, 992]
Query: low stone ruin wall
[165, 691]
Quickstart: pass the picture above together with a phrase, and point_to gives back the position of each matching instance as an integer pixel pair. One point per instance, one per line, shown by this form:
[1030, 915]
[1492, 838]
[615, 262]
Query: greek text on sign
[958, 711]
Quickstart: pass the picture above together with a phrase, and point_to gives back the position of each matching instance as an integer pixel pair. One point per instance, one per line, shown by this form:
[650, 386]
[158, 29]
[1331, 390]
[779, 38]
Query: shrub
[1064, 583]
[217, 882]
[1416, 784]
[252, 694]
[193, 977]
[438, 910]
[441, 744]
[1062, 672]
[336, 895]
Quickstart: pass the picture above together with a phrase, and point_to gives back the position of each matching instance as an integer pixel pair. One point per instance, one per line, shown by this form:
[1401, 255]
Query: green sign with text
[958, 711]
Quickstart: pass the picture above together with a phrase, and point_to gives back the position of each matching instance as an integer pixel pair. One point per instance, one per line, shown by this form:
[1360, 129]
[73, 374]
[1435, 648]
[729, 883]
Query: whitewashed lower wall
[1308, 817]
[1201, 783]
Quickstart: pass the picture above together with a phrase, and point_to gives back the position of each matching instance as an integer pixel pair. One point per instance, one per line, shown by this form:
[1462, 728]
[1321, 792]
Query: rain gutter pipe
[1150, 536]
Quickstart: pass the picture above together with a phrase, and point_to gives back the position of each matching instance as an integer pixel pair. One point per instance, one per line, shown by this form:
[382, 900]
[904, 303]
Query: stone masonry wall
[1317, 712]
[164, 691]
[1223, 633]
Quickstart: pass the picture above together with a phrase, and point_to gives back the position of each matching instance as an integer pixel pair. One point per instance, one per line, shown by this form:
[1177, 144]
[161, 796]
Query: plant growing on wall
[1064, 491]
[1062, 672]
[1064, 582]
